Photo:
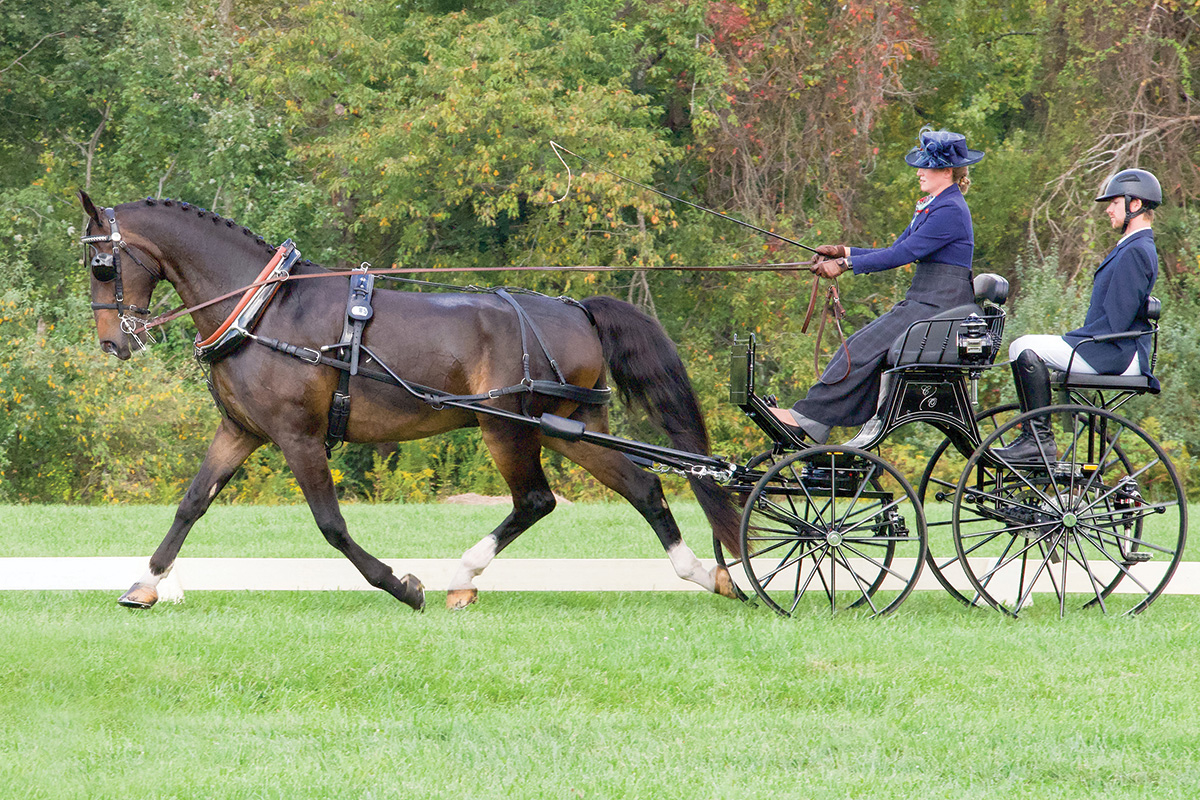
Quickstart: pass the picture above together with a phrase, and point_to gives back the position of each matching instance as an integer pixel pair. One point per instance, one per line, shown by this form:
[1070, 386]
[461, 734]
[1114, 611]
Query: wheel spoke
[840, 558]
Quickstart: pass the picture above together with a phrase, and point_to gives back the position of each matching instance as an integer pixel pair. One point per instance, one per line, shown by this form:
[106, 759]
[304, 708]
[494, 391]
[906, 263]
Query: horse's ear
[89, 207]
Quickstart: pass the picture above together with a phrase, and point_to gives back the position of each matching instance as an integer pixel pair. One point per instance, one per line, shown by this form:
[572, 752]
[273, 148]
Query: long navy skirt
[852, 400]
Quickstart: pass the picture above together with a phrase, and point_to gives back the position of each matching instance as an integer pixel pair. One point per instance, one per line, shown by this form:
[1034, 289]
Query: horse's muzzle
[121, 351]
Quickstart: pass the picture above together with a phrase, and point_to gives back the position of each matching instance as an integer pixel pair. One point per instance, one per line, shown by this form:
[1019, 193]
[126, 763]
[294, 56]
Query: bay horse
[464, 344]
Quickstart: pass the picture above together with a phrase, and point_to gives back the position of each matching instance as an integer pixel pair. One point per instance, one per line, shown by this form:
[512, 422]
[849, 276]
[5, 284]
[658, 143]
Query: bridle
[106, 268]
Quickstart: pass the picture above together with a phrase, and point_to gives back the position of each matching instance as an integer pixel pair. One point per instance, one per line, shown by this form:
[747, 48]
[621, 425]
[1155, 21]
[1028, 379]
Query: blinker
[103, 267]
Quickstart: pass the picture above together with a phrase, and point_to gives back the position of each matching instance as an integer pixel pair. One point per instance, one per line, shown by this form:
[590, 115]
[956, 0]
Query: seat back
[1153, 309]
[932, 341]
[990, 288]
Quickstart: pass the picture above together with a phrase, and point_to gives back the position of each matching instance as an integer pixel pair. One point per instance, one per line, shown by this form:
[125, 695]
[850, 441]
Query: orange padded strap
[271, 265]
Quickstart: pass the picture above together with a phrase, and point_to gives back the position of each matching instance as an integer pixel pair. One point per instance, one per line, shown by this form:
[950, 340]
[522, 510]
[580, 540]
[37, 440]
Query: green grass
[579, 530]
[533, 695]
[561, 695]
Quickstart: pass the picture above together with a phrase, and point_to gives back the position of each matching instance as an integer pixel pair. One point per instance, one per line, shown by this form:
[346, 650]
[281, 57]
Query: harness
[237, 327]
[358, 312]
[347, 354]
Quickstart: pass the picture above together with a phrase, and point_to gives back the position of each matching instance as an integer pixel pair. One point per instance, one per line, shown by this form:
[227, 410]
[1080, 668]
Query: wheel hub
[833, 538]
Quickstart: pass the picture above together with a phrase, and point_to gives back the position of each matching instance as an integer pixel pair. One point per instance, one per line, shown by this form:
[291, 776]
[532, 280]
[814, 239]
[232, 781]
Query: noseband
[107, 267]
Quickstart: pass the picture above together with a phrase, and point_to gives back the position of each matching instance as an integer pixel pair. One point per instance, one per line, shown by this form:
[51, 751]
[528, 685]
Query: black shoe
[801, 425]
[1036, 442]
[1034, 445]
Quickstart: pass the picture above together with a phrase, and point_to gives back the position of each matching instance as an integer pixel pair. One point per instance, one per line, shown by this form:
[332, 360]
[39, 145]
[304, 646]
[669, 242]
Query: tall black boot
[1036, 441]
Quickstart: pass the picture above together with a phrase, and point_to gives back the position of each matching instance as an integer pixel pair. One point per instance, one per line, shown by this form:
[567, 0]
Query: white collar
[1131, 233]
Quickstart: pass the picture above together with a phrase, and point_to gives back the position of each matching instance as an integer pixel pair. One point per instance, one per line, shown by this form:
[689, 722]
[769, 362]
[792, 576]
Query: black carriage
[1102, 526]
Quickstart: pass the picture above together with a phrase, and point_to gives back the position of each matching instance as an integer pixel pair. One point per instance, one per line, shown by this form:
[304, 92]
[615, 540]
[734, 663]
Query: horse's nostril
[108, 347]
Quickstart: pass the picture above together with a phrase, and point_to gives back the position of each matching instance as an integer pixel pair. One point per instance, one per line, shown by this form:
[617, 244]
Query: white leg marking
[170, 590]
[688, 567]
[151, 580]
[474, 561]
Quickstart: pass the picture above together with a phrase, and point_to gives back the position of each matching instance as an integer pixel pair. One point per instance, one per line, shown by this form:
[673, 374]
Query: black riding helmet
[1130, 183]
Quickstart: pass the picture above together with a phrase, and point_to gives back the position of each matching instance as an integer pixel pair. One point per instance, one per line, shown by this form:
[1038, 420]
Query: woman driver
[940, 242]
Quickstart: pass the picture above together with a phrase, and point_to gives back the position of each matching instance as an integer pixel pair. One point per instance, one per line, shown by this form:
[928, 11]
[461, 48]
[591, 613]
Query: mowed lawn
[547, 695]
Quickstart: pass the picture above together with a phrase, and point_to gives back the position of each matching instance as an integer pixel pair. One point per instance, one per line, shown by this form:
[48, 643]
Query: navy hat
[941, 150]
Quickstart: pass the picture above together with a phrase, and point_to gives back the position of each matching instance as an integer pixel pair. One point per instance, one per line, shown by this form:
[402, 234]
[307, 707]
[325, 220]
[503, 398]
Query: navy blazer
[939, 233]
[1119, 290]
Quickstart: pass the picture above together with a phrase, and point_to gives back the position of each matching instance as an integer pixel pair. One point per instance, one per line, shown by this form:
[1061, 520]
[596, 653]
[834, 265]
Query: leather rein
[270, 279]
[833, 308]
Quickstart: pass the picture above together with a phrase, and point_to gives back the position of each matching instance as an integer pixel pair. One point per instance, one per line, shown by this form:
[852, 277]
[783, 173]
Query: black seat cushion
[932, 341]
[1128, 383]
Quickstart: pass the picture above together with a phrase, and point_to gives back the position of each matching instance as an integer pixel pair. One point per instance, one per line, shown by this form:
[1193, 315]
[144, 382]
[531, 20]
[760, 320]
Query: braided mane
[204, 213]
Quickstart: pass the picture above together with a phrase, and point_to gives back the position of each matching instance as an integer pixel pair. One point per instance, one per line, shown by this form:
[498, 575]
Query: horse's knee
[535, 504]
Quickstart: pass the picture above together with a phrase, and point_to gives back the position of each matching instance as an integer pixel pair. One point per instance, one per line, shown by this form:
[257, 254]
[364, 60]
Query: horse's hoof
[725, 586]
[414, 592]
[461, 598]
[139, 596]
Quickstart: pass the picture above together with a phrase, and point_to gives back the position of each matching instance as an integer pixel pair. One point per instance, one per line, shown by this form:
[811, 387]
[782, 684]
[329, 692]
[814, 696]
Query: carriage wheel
[764, 460]
[833, 528]
[937, 498]
[936, 491]
[1101, 527]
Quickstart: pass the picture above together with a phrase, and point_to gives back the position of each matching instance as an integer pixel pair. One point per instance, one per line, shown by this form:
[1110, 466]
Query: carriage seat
[935, 340]
[1138, 384]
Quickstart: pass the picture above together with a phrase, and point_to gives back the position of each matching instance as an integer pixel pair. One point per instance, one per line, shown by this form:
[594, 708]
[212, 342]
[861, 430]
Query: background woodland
[416, 134]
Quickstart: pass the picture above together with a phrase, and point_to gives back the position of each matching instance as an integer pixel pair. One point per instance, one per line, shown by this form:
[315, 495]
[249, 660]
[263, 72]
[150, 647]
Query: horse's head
[124, 268]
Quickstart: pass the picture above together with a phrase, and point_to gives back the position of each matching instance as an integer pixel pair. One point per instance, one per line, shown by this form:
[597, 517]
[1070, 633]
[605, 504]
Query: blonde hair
[960, 176]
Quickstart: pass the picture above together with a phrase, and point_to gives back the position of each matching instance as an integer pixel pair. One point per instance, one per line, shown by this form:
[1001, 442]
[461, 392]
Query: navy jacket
[1119, 290]
[940, 233]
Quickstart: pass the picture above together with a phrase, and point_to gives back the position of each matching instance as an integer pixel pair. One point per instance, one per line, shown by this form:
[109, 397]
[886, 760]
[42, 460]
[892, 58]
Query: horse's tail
[648, 372]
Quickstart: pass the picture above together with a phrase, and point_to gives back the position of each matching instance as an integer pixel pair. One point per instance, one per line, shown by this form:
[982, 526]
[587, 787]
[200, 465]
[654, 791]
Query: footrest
[1139, 557]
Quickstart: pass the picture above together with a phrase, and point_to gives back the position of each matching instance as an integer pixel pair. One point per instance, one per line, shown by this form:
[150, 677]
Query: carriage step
[1139, 557]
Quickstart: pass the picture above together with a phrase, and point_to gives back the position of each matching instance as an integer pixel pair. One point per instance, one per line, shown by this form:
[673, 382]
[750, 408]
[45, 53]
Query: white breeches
[1056, 352]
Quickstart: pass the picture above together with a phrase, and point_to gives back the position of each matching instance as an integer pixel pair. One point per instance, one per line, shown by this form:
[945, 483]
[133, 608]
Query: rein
[833, 308]
[182, 310]
[273, 278]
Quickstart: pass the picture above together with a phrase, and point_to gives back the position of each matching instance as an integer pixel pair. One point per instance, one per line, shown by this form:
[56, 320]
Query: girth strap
[358, 312]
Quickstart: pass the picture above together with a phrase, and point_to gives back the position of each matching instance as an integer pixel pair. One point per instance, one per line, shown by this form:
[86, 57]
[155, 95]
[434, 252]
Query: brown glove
[831, 250]
[832, 268]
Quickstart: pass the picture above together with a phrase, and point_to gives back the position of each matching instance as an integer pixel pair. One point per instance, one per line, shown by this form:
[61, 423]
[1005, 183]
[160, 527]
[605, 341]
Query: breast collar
[241, 322]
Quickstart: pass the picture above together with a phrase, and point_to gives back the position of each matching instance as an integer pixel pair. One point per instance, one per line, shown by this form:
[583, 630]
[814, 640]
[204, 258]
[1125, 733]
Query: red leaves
[729, 23]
